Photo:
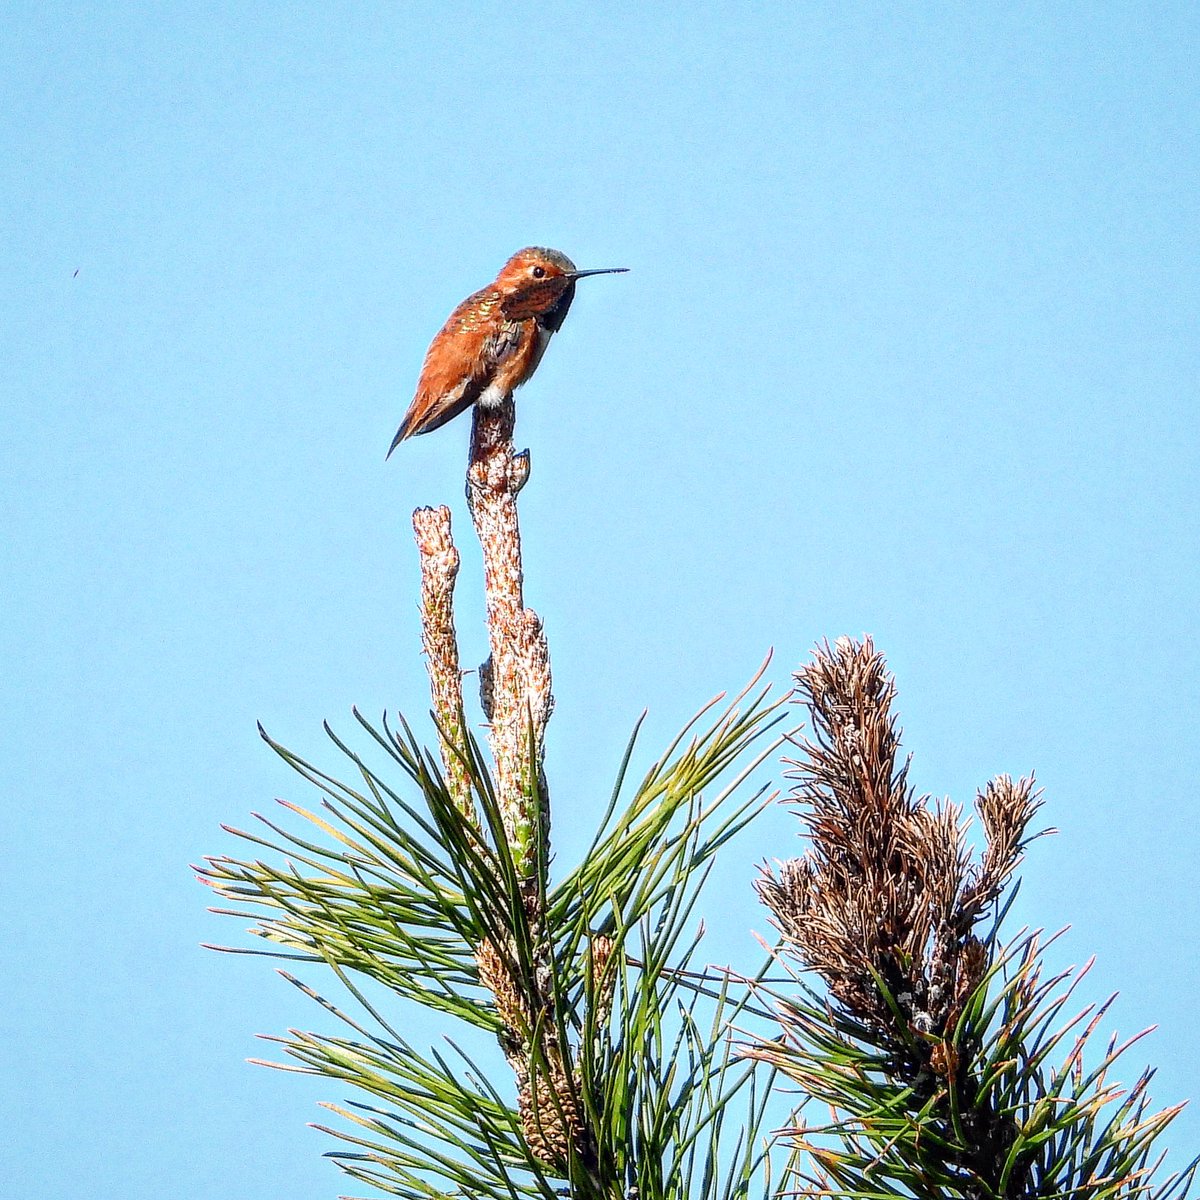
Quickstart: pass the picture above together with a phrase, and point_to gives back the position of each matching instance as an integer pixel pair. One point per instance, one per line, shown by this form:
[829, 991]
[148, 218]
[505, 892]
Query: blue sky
[909, 346]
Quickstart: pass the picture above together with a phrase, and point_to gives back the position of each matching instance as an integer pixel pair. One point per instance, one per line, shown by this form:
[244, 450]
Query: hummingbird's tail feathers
[401, 434]
[425, 414]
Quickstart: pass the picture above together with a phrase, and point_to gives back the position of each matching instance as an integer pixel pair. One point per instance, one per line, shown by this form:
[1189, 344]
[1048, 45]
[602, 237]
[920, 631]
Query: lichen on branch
[515, 683]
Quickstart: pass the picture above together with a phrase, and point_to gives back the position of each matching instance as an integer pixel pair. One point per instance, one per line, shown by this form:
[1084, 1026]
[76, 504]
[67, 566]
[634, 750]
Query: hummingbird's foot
[486, 696]
[520, 470]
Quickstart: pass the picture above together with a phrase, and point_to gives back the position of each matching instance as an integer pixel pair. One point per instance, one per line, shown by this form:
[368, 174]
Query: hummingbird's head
[540, 283]
[534, 265]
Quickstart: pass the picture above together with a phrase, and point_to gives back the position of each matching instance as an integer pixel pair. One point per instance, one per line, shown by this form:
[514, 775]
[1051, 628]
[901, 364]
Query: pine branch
[515, 680]
[436, 886]
[439, 569]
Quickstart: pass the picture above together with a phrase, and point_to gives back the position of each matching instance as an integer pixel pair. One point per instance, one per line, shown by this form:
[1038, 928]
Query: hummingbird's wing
[459, 364]
[461, 361]
[425, 414]
[504, 342]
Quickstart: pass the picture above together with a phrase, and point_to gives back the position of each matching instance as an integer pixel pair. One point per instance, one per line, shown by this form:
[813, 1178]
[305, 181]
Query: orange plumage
[493, 341]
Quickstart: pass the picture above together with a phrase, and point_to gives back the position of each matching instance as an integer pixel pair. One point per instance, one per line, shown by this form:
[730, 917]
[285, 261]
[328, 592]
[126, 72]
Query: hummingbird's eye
[538, 272]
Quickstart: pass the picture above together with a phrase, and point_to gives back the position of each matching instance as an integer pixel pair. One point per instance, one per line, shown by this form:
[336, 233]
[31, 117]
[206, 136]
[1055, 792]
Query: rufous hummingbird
[494, 340]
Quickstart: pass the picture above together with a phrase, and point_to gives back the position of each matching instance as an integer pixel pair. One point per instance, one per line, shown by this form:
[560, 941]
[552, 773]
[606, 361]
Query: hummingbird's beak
[596, 271]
